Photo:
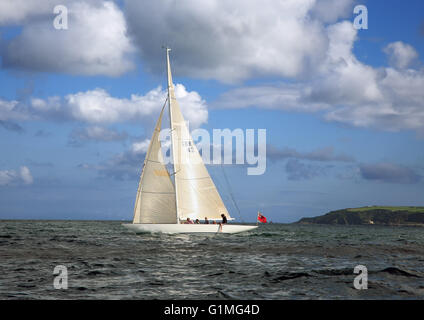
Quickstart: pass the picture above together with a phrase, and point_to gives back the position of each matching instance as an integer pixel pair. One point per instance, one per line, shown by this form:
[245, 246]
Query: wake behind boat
[163, 205]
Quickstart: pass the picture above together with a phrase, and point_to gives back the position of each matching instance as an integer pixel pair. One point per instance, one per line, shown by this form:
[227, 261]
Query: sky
[342, 102]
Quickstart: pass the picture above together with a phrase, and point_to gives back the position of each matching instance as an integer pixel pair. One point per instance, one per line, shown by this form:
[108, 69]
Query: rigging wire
[231, 194]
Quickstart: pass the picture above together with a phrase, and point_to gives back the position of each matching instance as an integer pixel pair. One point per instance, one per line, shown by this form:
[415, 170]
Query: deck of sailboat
[171, 228]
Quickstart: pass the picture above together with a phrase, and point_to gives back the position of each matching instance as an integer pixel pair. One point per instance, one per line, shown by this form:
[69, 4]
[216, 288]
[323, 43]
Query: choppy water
[106, 261]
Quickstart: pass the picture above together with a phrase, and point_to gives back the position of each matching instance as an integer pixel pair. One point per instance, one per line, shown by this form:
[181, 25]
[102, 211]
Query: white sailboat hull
[187, 228]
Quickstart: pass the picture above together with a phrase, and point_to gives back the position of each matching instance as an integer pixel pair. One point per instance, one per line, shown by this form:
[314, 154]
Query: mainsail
[196, 194]
[155, 202]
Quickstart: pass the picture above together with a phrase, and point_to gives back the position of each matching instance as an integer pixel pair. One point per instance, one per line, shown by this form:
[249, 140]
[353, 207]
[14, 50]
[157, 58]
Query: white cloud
[14, 177]
[140, 146]
[401, 108]
[401, 55]
[192, 106]
[99, 107]
[17, 11]
[346, 89]
[95, 43]
[234, 40]
[342, 78]
[281, 97]
[10, 110]
[386, 98]
[330, 11]
[230, 42]
[26, 176]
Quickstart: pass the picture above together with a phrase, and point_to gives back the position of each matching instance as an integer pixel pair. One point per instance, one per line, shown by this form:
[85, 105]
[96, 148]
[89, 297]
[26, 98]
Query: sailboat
[163, 205]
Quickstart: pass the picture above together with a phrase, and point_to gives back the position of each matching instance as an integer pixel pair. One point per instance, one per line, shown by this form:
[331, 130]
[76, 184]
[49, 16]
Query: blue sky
[343, 108]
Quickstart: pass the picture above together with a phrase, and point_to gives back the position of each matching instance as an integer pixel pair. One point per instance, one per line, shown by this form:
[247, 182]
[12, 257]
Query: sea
[103, 260]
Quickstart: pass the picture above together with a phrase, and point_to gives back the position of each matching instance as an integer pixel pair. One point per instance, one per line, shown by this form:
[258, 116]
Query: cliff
[375, 215]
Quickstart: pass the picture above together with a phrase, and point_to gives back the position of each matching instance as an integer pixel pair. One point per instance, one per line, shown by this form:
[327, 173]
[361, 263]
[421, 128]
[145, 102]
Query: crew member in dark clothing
[224, 221]
[224, 218]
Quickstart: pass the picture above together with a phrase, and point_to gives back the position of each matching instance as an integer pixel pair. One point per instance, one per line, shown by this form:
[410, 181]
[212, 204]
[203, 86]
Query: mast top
[168, 69]
[167, 48]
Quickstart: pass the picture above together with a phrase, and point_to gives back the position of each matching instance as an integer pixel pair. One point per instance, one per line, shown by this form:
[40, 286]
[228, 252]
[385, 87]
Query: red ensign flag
[261, 218]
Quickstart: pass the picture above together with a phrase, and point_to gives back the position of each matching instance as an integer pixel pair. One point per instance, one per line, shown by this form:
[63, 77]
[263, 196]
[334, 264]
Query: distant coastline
[372, 215]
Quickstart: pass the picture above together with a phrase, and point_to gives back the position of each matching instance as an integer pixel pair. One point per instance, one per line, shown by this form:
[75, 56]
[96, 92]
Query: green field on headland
[372, 215]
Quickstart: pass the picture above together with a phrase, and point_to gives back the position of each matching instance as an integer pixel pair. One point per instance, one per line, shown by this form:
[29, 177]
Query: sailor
[224, 218]
[206, 220]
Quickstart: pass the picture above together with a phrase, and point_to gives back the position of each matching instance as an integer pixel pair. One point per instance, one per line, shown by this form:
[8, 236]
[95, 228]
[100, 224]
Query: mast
[196, 195]
[169, 82]
[170, 85]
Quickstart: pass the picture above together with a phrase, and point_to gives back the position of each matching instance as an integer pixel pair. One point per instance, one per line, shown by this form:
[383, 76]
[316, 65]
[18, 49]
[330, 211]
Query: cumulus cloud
[95, 43]
[231, 42]
[330, 11]
[347, 90]
[390, 173]
[401, 55]
[228, 41]
[12, 110]
[25, 175]
[18, 11]
[16, 177]
[234, 40]
[342, 78]
[99, 107]
[401, 108]
[288, 97]
[140, 146]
